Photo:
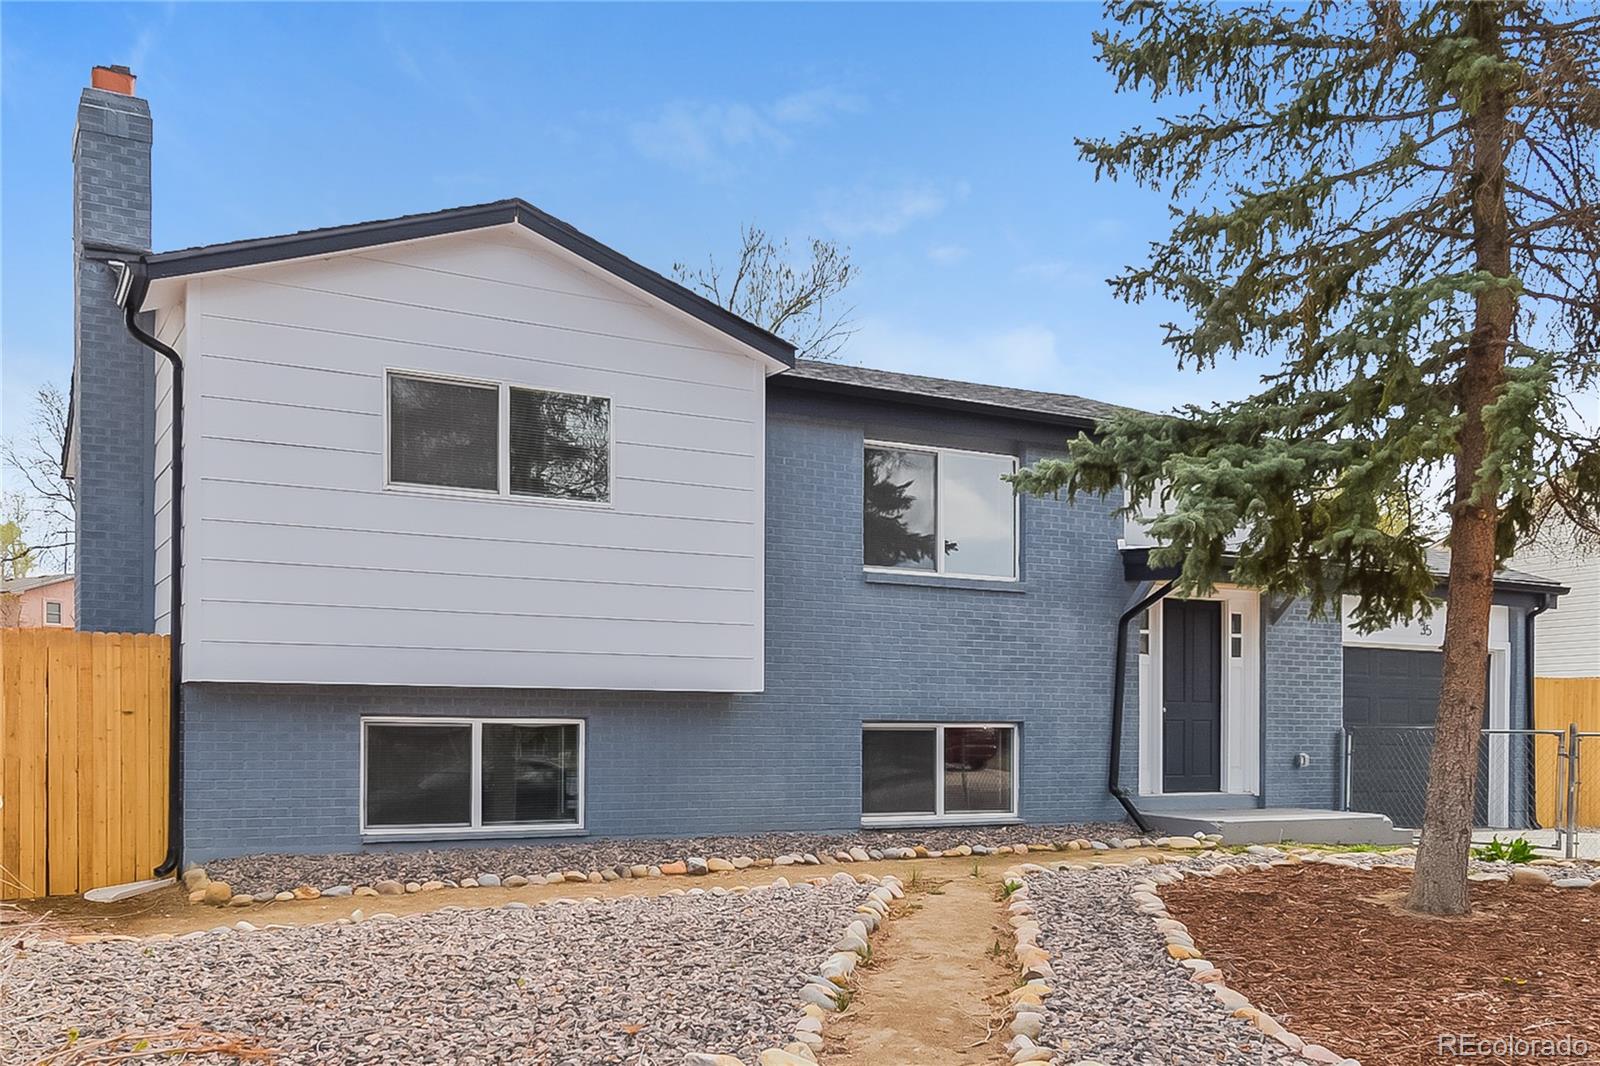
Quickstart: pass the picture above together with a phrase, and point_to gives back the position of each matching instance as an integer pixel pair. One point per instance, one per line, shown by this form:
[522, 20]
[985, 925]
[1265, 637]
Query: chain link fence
[1528, 779]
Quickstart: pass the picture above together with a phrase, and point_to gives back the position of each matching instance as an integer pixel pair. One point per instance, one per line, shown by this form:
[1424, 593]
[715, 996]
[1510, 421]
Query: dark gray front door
[1191, 679]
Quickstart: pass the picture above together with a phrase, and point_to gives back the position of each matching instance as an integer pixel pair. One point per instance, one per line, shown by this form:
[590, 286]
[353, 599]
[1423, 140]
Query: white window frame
[502, 490]
[938, 513]
[59, 613]
[475, 827]
[939, 817]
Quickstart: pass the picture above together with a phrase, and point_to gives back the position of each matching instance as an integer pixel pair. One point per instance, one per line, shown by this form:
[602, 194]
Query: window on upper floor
[444, 433]
[52, 612]
[495, 439]
[938, 510]
[560, 445]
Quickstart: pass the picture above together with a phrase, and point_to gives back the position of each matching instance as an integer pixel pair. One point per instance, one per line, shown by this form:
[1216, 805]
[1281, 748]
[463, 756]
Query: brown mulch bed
[1330, 954]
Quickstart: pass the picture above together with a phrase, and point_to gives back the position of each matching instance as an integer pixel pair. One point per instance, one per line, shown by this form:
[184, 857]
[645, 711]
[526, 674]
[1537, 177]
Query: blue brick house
[489, 532]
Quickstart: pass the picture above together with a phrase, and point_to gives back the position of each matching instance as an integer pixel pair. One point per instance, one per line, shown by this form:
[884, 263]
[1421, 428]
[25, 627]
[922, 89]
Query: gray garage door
[1387, 694]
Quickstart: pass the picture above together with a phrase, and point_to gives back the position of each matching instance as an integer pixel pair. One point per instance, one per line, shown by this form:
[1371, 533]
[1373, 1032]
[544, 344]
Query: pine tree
[1395, 206]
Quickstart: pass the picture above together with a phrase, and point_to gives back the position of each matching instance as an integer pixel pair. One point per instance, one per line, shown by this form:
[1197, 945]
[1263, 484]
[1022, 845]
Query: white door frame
[1241, 696]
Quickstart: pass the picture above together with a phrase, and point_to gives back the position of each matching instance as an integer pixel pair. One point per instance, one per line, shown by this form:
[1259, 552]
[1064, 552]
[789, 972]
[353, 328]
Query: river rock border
[827, 990]
[202, 889]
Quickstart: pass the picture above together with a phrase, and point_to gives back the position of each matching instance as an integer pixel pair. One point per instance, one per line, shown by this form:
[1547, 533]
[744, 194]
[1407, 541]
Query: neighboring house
[40, 600]
[1569, 638]
[491, 532]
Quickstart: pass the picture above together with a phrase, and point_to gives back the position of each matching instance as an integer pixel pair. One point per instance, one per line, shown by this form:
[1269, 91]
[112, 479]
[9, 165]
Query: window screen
[530, 773]
[444, 433]
[897, 771]
[419, 775]
[52, 612]
[560, 445]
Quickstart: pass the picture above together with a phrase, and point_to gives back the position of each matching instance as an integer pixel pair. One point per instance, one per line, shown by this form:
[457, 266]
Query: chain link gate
[1528, 779]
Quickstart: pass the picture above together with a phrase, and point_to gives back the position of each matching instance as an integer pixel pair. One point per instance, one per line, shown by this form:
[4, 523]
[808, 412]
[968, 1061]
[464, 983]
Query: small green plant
[976, 868]
[997, 949]
[1009, 888]
[842, 1000]
[1497, 850]
[916, 877]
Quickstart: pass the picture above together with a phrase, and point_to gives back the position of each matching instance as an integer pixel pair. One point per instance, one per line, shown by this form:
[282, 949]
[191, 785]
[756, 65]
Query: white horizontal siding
[170, 330]
[307, 568]
[1567, 639]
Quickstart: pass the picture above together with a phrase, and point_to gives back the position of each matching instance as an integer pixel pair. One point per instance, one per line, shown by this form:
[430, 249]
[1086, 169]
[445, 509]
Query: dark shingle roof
[316, 242]
[1054, 407]
[1439, 563]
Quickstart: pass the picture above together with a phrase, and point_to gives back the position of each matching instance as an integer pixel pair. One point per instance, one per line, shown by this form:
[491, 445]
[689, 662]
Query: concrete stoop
[1274, 825]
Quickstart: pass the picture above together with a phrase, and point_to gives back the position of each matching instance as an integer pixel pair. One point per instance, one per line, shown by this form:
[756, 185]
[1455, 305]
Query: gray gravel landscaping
[263, 873]
[641, 981]
[1118, 997]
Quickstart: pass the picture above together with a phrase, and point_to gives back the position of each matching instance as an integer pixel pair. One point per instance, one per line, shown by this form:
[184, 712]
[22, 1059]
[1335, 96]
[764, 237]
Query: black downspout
[1118, 686]
[1527, 655]
[1528, 687]
[137, 284]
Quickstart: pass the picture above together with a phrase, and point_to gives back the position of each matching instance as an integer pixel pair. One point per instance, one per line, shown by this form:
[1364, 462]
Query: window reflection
[979, 515]
[898, 509]
[977, 770]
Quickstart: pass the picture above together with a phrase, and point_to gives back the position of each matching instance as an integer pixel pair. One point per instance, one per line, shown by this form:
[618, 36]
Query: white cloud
[706, 137]
[1059, 272]
[946, 254]
[815, 106]
[700, 137]
[883, 212]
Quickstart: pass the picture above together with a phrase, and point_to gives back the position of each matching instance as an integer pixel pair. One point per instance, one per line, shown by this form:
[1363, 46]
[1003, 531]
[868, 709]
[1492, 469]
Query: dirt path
[168, 910]
[935, 988]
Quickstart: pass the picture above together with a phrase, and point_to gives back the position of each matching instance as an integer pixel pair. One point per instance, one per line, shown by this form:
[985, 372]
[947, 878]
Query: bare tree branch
[798, 303]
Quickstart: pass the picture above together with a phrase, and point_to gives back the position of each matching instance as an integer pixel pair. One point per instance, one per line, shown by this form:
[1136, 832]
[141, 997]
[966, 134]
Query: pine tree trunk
[1440, 883]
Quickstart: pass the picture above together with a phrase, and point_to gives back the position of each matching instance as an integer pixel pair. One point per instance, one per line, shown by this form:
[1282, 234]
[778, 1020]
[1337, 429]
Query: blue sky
[936, 141]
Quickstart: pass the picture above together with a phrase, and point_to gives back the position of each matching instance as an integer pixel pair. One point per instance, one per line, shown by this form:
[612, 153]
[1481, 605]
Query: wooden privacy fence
[1557, 703]
[83, 759]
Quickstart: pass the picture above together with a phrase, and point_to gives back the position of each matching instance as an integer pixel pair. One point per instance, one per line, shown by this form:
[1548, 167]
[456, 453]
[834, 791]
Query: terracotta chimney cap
[113, 79]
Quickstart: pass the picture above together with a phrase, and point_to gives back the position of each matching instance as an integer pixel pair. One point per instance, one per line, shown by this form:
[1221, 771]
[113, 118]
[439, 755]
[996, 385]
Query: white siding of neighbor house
[1566, 641]
[170, 330]
[304, 567]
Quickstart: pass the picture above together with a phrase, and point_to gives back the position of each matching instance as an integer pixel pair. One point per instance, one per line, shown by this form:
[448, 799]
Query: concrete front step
[1274, 825]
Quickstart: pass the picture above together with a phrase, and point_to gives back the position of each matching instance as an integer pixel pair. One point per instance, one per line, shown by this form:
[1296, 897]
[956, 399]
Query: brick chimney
[113, 376]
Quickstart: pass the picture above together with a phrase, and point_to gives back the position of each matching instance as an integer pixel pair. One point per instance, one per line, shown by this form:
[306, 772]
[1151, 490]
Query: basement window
[938, 773]
[449, 776]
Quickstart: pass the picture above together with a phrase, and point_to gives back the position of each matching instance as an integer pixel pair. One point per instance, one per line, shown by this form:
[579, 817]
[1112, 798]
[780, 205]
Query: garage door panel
[1391, 699]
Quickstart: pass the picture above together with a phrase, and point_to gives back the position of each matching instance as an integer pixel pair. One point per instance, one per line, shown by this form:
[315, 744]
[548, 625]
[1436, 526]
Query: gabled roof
[37, 581]
[316, 242]
[1052, 407]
